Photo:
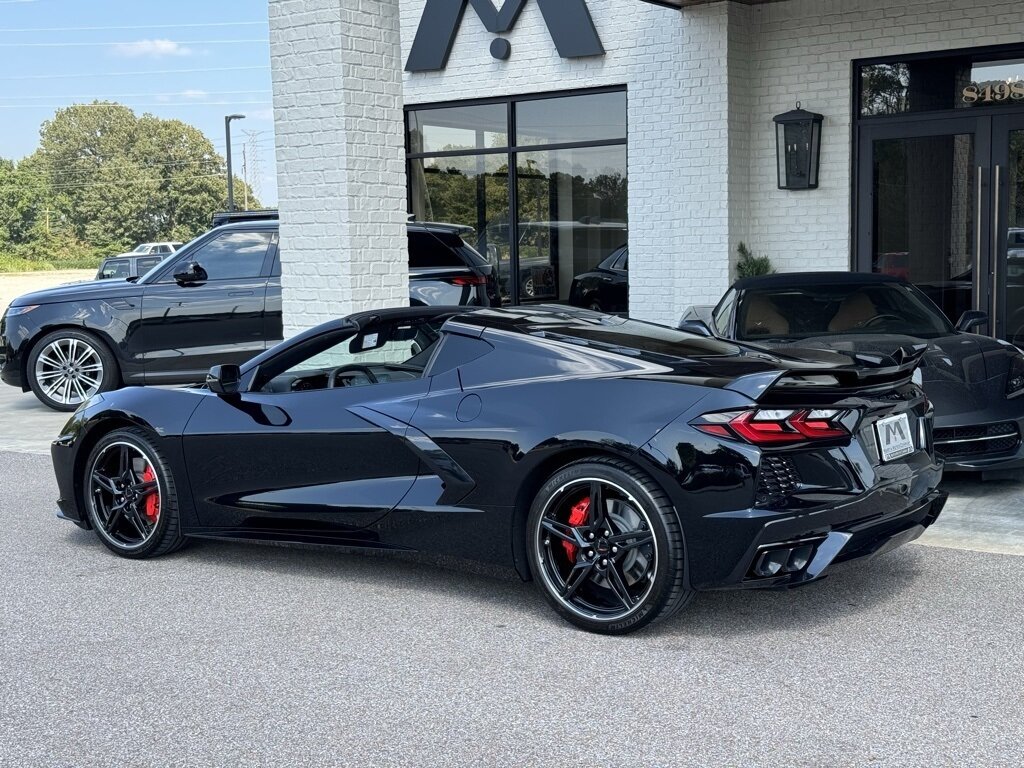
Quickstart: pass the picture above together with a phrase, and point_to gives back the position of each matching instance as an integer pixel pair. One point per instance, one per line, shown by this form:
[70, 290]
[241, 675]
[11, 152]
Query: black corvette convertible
[975, 382]
[621, 465]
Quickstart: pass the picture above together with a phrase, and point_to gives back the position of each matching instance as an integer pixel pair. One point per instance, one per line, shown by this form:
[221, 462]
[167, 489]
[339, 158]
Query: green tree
[107, 179]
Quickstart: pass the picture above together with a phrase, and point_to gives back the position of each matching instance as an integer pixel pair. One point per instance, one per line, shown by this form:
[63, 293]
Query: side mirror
[697, 327]
[193, 273]
[224, 379]
[971, 319]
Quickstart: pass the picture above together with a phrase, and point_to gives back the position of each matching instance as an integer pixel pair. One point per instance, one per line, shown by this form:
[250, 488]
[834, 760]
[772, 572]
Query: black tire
[64, 384]
[655, 586]
[164, 535]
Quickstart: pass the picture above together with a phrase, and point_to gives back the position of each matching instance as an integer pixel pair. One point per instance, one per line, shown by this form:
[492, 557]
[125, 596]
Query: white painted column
[341, 157]
[688, 159]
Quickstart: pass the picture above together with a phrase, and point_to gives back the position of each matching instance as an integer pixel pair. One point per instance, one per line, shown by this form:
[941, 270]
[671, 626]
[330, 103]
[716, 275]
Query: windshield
[787, 313]
[141, 248]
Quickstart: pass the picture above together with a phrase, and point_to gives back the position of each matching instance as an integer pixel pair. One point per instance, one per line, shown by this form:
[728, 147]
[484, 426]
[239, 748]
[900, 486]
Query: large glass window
[547, 199]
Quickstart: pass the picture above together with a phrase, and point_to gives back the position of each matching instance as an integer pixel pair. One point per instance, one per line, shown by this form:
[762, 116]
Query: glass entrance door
[1008, 226]
[923, 208]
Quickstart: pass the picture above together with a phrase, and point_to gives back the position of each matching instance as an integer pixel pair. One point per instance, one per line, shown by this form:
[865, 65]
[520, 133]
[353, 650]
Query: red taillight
[774, 427]
[473, 280]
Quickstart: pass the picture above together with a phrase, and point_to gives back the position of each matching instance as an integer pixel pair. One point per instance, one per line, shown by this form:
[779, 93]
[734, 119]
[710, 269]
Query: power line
[49, 171]
[72, 44]
[120, 183]
[141, 106]
[135, 72]
[137, 26]
[197, 94]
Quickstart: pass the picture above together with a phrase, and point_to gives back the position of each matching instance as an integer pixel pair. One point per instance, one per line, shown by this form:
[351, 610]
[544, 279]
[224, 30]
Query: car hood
[93, 289]
[962, 372]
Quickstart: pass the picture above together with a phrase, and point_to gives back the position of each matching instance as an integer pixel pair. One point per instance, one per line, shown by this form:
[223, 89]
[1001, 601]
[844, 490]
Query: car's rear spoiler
[871, 374]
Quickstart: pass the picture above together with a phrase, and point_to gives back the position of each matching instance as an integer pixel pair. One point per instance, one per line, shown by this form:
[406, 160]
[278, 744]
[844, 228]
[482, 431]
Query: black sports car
[620, 464]
[976, 382]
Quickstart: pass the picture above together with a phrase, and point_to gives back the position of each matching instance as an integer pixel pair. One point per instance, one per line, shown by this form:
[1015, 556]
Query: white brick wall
[341, 157]
[803, 49]
[703, 86]
[673, 72]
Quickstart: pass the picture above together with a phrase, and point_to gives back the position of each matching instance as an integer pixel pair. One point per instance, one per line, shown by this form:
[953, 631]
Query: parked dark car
[976, 382]
[218, 299]
[606, 289]
[487, 434]
[123, 267]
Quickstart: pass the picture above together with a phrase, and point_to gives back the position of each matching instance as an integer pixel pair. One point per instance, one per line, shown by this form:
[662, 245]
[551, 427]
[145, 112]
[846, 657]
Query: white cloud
[153, 49]
[194, 93]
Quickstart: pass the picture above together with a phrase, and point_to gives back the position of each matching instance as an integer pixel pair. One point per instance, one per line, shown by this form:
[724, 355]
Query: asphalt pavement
[231, 654]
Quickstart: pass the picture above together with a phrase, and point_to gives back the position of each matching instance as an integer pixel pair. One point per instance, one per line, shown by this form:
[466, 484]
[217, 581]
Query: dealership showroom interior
[512, 382]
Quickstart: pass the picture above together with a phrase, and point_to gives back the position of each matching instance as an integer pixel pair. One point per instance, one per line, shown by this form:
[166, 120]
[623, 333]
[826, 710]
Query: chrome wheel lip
[549, 583]
[90, 496]
[69, 371]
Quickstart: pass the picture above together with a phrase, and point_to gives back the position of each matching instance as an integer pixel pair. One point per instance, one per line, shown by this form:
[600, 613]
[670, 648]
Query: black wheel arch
[171, 446]
[551, 458]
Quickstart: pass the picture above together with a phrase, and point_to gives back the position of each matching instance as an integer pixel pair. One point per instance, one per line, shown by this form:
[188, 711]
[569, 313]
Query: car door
[295, 455]
[189, 325]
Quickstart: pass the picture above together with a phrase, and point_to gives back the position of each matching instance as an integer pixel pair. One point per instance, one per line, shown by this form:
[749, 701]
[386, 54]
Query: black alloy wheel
[129, 495]
[606, 548]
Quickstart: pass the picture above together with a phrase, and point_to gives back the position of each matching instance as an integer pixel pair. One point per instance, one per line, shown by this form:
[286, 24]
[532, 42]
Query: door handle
[997, 238]
[976, 288]
[240, 293]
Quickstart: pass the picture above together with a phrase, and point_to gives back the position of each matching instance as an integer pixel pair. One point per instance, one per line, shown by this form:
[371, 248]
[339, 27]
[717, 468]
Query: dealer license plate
[895, 439]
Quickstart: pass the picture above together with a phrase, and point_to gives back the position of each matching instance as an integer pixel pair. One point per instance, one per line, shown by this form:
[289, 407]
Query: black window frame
[510, 152]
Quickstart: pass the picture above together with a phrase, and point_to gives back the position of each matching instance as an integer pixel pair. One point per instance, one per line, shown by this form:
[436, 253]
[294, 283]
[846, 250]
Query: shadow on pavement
[850, 589]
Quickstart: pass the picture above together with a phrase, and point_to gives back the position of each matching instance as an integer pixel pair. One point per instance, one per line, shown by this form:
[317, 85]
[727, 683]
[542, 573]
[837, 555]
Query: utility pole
[245, 176]
[227, 136]
[254, 162]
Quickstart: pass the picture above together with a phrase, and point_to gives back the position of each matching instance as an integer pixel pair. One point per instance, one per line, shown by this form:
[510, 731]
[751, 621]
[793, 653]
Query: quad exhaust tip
[783, 559]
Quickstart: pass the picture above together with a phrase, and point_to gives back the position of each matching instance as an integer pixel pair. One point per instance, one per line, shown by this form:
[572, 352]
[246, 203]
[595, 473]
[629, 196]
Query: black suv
[216, 300]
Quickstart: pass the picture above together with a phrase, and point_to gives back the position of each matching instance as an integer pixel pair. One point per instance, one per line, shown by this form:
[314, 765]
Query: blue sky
[187, 59]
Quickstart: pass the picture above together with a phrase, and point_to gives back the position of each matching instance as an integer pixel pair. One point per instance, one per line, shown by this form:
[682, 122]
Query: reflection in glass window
[471, 190]
[572, 215]
[457, 128]
[884, 89]
[571, 202]
[592, 117]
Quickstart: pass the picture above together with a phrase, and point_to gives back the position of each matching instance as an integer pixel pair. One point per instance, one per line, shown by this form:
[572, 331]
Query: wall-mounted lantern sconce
[798, 148]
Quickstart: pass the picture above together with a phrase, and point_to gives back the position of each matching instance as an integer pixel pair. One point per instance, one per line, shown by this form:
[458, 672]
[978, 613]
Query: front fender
[162, 413]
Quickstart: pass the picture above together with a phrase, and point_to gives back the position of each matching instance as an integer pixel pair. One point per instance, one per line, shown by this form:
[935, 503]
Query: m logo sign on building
[568, 21]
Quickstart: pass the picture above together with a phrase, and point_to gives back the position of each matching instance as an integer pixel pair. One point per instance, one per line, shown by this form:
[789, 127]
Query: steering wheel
[332, 380]
[877, 319]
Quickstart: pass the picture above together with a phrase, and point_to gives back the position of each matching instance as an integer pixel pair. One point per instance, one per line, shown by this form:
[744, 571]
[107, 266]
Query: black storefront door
[941, 203]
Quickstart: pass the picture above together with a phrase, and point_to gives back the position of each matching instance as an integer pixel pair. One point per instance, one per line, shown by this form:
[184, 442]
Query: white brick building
[908, 169]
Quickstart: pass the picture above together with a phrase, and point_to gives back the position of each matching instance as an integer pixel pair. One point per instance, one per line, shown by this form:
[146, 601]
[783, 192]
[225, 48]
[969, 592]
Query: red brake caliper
[577, 516]
[152, 508]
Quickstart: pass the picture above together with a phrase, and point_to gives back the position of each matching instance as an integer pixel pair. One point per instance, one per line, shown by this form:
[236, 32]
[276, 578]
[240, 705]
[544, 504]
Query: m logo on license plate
[895, 438]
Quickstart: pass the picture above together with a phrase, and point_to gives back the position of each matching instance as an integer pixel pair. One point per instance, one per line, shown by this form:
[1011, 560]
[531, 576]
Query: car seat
[856, 310]
[763, 319]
